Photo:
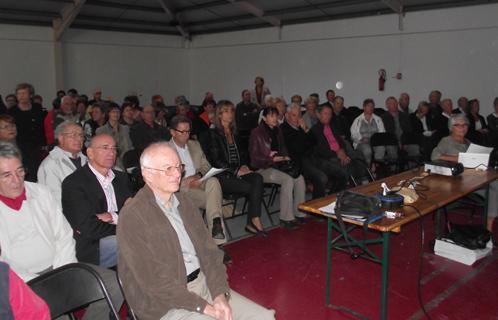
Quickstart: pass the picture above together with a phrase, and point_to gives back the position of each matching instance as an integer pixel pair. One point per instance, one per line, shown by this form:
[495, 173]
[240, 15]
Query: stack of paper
[448, 249]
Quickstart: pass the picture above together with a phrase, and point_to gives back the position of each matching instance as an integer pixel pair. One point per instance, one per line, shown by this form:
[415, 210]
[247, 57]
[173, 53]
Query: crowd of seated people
[77, 152]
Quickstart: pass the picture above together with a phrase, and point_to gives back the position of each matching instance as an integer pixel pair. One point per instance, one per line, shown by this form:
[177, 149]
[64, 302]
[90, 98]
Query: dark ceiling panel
[204, 16]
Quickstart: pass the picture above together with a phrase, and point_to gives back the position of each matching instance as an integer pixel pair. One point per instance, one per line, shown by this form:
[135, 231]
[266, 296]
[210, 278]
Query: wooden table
[441, 191]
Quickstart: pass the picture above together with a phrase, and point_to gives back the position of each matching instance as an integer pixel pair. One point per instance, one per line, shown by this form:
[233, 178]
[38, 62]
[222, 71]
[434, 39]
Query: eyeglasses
[182, 131]
[19, 172]
[169, 171]
[73, 135]
[107, 148]
[8, 126]
[460, 125]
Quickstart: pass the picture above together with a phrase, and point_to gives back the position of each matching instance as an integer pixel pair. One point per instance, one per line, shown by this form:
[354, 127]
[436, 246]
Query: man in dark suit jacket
[92, 197]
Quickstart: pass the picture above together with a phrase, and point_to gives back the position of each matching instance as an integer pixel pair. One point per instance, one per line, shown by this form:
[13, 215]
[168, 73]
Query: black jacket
[82, 199]
[215, 147]
[322, 148]
[299, 143]
[246, 116]
[404, 122]
[141, 135]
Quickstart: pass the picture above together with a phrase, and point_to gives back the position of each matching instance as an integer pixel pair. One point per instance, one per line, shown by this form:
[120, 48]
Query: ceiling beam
[150, 23]
[35, 13]
[200, 6]
[257, 12]
[170, 11]
[67, 16]
[122, 29]
[115, 5]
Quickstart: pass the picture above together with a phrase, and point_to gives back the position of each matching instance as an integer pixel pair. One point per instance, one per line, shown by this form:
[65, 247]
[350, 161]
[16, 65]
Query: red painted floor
[286, 272]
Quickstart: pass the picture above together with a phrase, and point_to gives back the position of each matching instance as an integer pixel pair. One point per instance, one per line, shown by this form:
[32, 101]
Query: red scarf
[16, 203]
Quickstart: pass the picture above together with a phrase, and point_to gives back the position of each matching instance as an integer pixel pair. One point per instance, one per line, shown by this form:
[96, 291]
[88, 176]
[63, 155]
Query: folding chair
[69, 288]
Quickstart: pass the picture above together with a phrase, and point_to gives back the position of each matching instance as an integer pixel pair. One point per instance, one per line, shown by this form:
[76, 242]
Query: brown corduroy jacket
[151, 264]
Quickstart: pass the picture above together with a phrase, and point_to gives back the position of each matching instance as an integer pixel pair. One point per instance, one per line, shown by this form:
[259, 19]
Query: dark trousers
[338, 175]
[250, 186]
[314, 175]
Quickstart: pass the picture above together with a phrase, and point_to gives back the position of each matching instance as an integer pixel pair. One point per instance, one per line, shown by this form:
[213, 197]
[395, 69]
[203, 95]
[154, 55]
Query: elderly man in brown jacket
[170, 266]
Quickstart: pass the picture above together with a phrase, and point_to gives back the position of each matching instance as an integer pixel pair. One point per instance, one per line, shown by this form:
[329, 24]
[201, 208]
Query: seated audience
[398, 124]
[223, 151]
[448, 149]
[259, 92]
[404, 103]
[434, 104]
[28, 118]
[331, 152]
[330, 95]
[156, 100]
[441, 122]
[82, 111]
[92, 197]
[170, 267]
[183, 108]
[161, 115]
[267, 148]
[205, 120]
[147, 131]
[425, 128]
[281, 107]
[493, 124]
[34, 235]
[300, 146]
[310, 117]
[363, 128]
[17, 300]
[297, 99]
[67, 112]
[120, 133]
[8, 129]
[478, 129]
[463, 106]
[10, 101]
[97, 96]
[340, 120]
[97, 120]
[64, 159]
[127, 114]
[206, 194]
[246, 114]
[209, 96]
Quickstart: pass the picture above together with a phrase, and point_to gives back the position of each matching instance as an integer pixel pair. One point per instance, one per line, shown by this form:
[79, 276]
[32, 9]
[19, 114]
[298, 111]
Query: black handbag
[352, 204]
[469, 236]
[289, 167]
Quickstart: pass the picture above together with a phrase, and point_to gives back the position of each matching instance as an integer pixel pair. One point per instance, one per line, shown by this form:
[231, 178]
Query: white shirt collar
[104, 180]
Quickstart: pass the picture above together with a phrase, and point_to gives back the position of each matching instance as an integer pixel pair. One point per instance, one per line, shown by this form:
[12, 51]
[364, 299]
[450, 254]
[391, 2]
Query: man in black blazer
[92, 197]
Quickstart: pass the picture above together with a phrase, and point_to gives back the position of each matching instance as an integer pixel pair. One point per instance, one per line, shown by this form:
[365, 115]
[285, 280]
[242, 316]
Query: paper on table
[475, 148]
[330, 208]
[211, 172]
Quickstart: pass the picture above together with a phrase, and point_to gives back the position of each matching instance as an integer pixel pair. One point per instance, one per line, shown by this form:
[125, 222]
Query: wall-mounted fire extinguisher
[382, 79]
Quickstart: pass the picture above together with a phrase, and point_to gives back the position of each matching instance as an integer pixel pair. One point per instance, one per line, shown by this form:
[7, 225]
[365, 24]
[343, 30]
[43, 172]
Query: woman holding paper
[221, 147]
[448, 149]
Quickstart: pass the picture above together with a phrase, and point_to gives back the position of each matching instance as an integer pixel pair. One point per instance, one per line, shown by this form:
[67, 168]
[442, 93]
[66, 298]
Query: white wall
[119, 63]
[453, 50]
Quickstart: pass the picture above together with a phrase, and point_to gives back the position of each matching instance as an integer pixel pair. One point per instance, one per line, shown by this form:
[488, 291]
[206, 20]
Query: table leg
[438, 224]
[385, 274]
[485, 213]
[329, 260]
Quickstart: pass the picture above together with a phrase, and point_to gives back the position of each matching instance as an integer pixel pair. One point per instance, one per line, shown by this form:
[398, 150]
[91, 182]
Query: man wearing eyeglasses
[206, 194]
[64, 159]
[92, 197]
[34, 235]
[170, 267]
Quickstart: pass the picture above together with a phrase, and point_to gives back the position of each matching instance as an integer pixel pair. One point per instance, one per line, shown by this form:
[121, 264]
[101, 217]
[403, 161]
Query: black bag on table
[354, 204]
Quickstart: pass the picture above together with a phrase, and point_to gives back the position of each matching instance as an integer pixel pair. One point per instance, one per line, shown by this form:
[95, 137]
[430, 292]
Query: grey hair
[145, 158]
[293, 105]
[9, 150]
[92, 140]
[62, 127]
[65, 98]
[457, 118]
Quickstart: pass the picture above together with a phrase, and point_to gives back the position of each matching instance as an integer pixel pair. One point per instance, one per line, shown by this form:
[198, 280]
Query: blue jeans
[108, 252]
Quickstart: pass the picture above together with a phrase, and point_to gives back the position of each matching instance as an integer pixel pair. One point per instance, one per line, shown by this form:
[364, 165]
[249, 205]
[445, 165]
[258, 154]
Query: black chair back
[69, 288]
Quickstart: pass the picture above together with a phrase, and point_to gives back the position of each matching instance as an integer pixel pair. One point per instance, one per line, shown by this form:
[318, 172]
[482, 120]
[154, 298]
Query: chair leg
[268, 213]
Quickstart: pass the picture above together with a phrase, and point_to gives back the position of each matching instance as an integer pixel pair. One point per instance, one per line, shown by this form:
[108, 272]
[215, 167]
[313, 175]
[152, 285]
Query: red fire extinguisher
[382, 79]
